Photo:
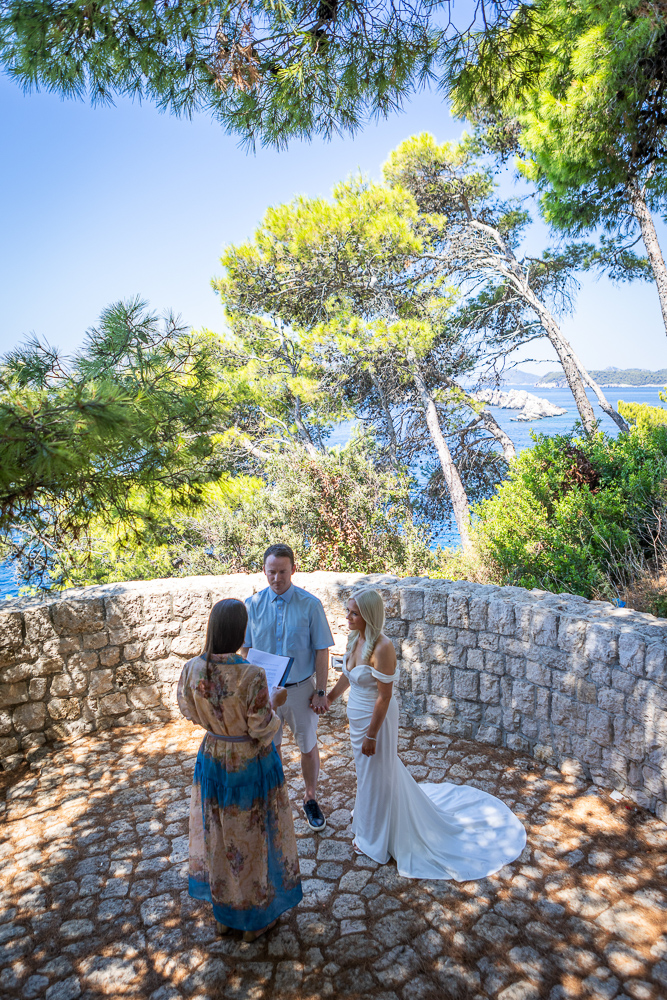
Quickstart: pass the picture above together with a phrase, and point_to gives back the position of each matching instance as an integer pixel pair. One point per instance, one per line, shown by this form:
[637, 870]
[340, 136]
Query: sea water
[519, 432]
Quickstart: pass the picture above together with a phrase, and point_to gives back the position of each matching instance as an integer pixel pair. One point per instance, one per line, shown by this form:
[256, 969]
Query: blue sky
[105, 203]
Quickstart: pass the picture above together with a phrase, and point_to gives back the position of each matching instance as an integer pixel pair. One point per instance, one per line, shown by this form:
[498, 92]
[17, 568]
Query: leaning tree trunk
[643, 216]
[602, 399]
[503, 439]
[455, 487]
[576, 374]
[577, 377]
[564, 349]
[391, 430]
[486, 418]
[567, 357]
[304, 433]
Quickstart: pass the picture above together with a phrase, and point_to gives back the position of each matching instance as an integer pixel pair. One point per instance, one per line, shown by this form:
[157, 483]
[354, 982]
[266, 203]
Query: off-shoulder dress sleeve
[263, 723]
[385, 678]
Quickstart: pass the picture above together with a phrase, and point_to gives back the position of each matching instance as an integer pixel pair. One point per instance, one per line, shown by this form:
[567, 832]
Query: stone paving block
[495, 929]
[156, 910]
[111, 975]
[397, 928]
[397, 966]
[348, 905]
[67, 989]
[523, 990]
[627, 922]
[517, 911]
[334, 850]
[354, 949]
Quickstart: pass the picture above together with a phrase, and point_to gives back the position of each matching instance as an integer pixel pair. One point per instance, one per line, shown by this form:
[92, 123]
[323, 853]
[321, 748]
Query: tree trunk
[246, 443]
[504, 440]
[568, 359]
[304, 434]
[393, 442]
[489, 421]
[643, 216]
[602, 400]
[455, 487]
[575, 372]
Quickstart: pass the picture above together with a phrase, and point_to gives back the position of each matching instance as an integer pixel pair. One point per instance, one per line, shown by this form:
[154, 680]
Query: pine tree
[474, 238]
[581, 86]
[340, 275]
[108, 436]
[268, 72]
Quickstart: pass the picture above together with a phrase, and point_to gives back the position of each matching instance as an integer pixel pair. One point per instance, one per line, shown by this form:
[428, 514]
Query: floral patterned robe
[243, 856]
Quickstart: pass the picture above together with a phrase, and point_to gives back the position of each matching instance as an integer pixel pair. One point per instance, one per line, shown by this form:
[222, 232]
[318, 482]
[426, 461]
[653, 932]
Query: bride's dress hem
[433, 831]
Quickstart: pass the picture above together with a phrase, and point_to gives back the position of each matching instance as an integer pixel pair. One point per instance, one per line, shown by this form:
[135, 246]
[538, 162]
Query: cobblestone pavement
[93, 898]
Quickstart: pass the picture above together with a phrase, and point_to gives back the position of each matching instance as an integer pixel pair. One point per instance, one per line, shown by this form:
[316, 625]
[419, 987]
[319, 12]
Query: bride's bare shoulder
[384, 655]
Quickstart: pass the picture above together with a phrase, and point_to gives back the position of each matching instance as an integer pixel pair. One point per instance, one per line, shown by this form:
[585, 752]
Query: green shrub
[337, 510]
[575, 512]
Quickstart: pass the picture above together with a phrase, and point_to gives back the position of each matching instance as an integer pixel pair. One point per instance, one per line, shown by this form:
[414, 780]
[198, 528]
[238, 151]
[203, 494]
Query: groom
[288, 621]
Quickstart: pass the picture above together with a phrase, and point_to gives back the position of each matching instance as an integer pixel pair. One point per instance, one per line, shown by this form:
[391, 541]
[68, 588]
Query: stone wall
[555, 676]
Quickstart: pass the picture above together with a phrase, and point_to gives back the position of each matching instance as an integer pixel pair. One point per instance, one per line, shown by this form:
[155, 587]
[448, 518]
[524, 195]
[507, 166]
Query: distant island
[608, 377]
[519, 376]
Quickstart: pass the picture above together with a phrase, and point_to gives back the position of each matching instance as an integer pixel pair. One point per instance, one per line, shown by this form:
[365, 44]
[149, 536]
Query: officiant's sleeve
[247, 642]
[263, 723]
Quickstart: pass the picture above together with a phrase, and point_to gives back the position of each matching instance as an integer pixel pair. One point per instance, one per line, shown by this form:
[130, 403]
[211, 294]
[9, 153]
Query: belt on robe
[230, 739]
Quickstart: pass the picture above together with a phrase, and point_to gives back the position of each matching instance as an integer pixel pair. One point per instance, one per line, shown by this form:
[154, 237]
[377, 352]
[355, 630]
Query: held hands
[319, 705]
[368, 747]
[278, 697]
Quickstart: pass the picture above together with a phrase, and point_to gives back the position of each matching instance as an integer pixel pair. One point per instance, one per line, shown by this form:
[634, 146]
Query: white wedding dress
[441, 831]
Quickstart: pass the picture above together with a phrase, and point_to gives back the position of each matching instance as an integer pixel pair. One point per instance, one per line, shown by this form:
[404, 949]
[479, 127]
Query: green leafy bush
[336, 509]
[576, 515]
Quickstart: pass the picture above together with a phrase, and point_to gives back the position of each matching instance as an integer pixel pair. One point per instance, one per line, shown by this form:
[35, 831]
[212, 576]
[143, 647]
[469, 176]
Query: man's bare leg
[310, 768]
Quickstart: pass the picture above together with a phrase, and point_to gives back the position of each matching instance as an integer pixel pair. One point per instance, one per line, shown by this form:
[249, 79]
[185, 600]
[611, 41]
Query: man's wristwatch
[321, 694]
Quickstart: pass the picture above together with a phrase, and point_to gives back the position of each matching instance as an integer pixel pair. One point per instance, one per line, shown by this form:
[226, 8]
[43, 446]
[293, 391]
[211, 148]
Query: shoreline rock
[532, 407]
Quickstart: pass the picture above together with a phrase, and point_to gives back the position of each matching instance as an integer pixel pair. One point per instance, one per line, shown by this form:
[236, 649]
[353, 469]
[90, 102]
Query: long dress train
[438, 831]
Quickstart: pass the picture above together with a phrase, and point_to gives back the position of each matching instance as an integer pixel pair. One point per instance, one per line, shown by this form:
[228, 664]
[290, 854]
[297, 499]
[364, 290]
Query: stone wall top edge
[183, 584]
[595, 612]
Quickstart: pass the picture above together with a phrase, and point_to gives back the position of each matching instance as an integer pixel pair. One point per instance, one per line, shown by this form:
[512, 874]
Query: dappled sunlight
[94, 874]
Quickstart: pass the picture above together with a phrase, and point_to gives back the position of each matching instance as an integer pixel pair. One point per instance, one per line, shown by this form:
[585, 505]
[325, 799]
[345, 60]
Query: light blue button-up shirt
[290, 624]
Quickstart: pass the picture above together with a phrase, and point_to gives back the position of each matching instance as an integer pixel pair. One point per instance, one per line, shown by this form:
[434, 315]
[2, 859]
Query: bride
[443, 831]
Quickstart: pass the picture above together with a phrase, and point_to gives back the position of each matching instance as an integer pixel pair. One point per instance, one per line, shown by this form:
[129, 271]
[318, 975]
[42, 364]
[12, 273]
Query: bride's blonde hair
[371, 607]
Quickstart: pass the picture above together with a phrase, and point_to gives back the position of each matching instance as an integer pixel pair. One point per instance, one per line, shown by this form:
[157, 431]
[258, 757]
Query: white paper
[274, 666]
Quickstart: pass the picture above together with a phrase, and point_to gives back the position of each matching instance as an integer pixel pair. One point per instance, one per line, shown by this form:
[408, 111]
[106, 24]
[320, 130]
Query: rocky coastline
[531, 407]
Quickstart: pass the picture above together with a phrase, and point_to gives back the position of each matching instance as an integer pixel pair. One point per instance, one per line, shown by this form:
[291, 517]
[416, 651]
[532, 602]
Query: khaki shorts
[299, 716]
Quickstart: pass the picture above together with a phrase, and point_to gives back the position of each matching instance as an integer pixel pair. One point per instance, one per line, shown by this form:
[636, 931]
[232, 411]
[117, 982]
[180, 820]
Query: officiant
[288, 621]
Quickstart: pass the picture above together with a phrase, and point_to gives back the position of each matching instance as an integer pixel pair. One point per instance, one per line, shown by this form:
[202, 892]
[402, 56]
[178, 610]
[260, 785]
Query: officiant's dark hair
[227, 623]
[281, 550]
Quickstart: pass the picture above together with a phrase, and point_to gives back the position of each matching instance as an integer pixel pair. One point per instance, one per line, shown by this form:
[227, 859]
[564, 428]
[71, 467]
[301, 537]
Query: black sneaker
[314, 816]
